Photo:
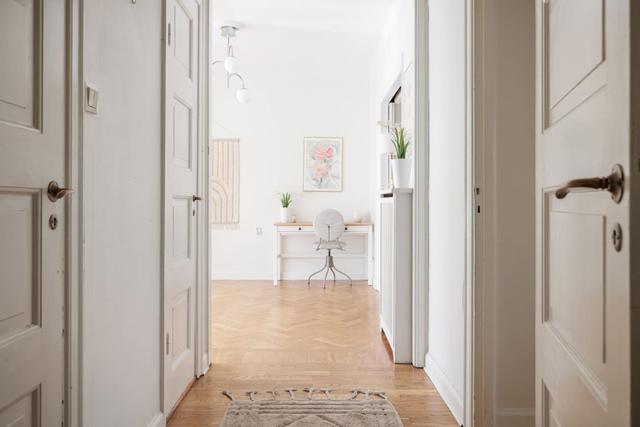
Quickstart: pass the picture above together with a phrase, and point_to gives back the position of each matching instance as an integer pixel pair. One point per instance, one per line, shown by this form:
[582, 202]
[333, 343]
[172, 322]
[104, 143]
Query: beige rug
[321, 410]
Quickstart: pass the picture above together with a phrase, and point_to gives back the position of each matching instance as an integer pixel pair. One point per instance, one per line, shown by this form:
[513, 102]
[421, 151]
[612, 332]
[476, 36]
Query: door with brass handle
[614, 184]
[55, 192]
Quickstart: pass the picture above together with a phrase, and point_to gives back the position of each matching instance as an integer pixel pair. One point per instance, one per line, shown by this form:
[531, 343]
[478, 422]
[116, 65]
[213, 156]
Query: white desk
[282, 230]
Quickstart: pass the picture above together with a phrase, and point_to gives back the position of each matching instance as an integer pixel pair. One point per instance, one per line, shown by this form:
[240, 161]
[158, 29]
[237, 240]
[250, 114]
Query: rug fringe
[273, 392]
[311, 391]
[292, 393]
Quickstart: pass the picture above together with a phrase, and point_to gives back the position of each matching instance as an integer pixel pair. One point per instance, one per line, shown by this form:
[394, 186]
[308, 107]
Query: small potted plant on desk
[286, 200]
[400, 165]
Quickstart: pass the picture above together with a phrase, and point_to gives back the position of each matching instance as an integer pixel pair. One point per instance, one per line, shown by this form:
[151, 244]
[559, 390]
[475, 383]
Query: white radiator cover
[396, 271]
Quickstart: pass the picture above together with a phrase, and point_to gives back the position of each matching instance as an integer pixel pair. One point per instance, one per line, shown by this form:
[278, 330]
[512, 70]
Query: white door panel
[20, 85]
[19, 260]
[181, 104]
[32, 152]
[583, 283]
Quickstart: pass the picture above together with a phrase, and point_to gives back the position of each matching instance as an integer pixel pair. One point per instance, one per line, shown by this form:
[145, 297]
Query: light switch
[259, 231]
[91, 102]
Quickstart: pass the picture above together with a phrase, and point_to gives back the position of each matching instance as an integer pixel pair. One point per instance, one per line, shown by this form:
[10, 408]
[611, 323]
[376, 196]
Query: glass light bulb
[243, 95]
[231, 64]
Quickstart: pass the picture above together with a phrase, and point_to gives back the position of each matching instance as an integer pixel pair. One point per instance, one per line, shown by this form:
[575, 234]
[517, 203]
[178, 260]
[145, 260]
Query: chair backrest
[329, 224]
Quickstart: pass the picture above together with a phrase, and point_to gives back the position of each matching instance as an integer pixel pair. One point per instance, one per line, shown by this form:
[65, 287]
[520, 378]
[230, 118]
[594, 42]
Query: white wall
[302, 84]
[393, 58]
[122, 159]
[447, 207]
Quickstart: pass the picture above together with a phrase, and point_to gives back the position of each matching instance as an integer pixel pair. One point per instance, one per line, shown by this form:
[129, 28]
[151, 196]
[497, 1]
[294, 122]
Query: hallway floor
[293, 336]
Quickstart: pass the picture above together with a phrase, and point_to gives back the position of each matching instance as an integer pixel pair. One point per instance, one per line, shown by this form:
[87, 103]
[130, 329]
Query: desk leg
[276, 257]
[370, 255]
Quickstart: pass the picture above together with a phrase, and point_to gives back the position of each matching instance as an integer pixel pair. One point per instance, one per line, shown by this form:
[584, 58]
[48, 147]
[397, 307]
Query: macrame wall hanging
[224, 156]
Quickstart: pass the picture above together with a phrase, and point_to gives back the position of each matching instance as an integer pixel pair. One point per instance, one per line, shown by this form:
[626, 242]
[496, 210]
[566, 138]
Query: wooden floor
[293, 336]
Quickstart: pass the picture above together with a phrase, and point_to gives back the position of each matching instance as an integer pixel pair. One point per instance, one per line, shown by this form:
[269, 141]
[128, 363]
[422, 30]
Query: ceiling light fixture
[231, 63]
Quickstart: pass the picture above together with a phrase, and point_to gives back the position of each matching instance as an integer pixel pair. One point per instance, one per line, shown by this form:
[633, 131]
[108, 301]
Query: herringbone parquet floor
[293, 336]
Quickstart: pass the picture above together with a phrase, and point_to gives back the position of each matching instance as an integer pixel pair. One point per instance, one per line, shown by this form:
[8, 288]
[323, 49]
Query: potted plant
[286, 201]
[400, 165]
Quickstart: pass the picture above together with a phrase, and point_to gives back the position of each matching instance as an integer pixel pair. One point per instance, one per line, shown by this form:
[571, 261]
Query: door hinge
[167, 344]
[169, 33]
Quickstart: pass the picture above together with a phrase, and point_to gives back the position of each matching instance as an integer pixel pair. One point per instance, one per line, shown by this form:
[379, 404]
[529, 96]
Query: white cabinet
[395, 255]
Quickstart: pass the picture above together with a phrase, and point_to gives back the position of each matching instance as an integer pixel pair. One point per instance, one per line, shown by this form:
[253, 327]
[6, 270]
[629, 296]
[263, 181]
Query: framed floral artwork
[322, 167]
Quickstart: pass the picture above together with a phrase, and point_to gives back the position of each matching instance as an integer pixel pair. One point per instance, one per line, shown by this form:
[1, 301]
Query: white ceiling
[343, 16]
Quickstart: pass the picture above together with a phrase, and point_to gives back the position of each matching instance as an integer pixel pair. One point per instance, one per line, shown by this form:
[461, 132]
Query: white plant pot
[401, 170]
[285, 214]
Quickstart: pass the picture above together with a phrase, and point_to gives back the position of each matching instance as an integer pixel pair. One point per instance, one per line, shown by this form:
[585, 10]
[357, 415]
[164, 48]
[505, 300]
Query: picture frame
[322, 164]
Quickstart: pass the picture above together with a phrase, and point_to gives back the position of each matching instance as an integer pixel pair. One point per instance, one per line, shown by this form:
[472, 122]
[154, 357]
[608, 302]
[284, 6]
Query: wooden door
[583, 283]
[181, 201]
[33, 136]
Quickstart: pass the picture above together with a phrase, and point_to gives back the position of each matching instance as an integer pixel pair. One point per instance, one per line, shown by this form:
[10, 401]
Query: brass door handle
[55, 192]
[614, 184]
[196, 198]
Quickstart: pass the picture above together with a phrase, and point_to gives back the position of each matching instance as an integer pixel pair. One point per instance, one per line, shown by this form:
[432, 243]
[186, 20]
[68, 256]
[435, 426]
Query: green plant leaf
[400, 142]
[285, 200]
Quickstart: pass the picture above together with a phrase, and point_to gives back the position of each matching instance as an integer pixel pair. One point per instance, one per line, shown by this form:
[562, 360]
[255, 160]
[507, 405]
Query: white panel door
[582, 283]
[32, 255]
[181, 167]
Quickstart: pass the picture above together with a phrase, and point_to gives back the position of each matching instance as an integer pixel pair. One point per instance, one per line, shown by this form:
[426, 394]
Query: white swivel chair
[329, 226]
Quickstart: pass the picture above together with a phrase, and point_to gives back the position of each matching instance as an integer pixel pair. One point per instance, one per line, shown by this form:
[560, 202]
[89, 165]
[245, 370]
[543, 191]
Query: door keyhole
[53, 222]
[616, 237]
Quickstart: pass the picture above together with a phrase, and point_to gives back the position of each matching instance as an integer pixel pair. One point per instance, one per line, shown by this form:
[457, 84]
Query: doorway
[257, 329]
[544, 277]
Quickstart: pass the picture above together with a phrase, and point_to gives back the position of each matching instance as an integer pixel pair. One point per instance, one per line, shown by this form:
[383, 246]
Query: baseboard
[515, 417]
[386, 331]
[158, 421]
[445, 388]
[243, 275]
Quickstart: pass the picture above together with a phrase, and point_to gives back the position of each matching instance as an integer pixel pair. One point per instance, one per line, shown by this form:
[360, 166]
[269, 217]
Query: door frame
[201, 333]
[420, 288]
[203, 288]
[480, 305]
[74, 221]
[474, 178]
[479, 377]
[478, 374]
